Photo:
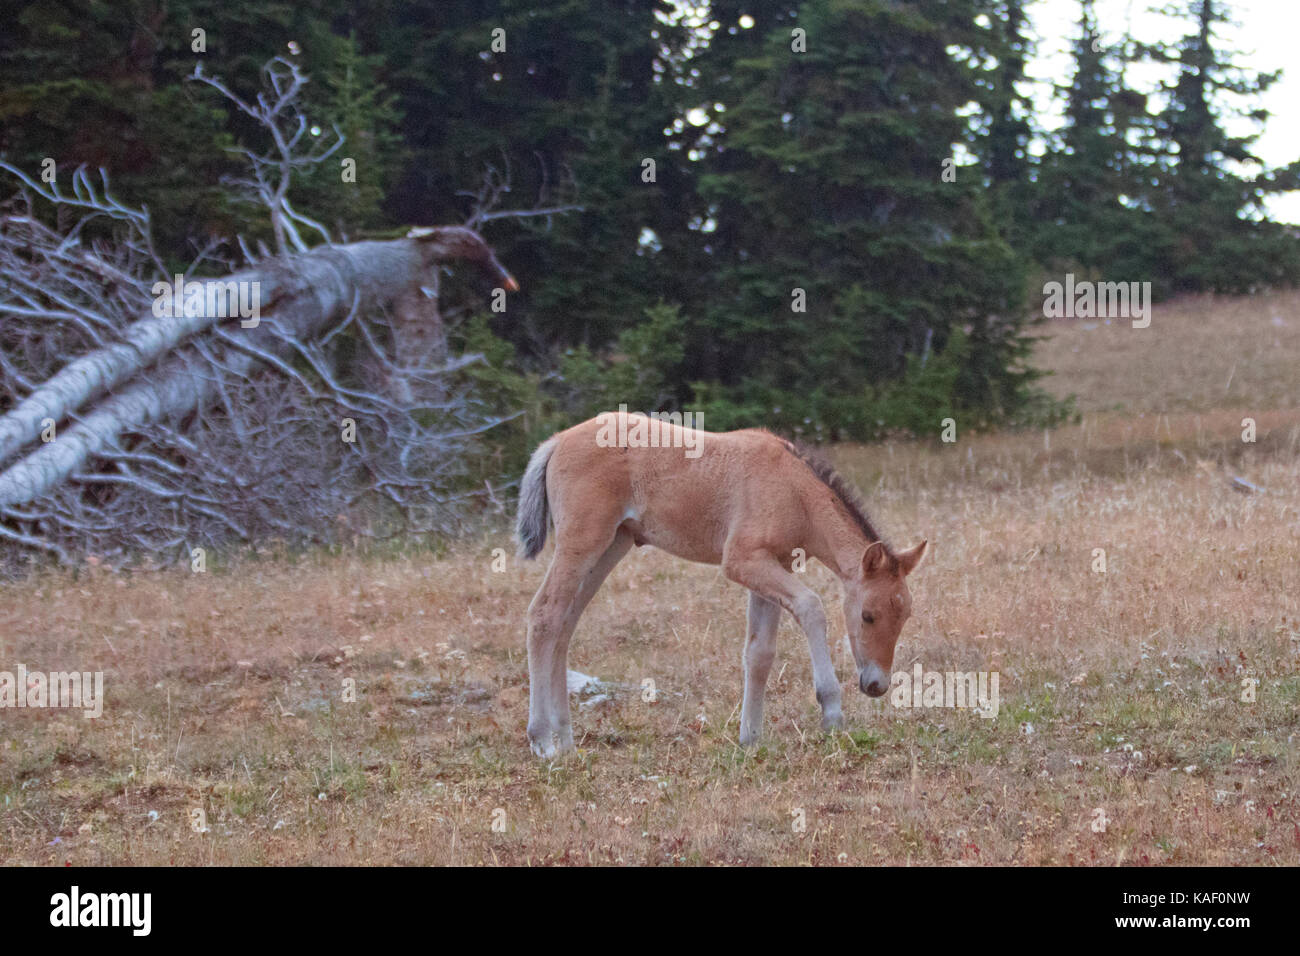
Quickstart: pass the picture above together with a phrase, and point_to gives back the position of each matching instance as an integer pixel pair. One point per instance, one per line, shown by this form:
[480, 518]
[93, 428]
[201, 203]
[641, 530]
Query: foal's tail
[531, 522]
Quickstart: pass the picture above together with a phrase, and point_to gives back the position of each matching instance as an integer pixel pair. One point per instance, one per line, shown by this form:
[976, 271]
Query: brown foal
[747, 500]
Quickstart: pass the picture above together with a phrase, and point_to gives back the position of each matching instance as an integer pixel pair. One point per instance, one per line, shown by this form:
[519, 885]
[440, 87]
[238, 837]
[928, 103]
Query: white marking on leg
[812, 618]
[541, 645]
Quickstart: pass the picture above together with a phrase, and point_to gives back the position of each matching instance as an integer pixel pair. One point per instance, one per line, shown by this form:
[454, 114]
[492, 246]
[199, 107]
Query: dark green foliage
[351, 97]
[774, 171]
[829, 186]
[568, 110]
[1217, 241]
[1003, 139]
[641, 373]
[1137, 196]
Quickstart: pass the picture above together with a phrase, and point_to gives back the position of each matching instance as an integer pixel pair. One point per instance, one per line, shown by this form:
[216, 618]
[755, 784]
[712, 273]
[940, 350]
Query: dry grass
[1119, 691]
[1198, 354]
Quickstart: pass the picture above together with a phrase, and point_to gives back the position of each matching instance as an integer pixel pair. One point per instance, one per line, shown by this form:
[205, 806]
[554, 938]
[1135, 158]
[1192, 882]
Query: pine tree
[1003, 146]
[94, 85]
[1214, 187]
[564, 100]
[351, 96]
[835, 186]
[105, 85]
[1078, 188]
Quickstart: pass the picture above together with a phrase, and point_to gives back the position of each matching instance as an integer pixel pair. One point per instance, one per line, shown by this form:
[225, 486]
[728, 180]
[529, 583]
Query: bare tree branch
[127, 431]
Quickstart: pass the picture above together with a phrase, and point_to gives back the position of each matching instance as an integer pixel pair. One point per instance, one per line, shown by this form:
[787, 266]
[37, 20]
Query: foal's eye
[868, 617]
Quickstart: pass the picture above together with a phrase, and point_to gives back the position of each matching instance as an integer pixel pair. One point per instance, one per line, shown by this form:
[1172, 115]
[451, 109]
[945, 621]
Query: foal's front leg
[760, 651]
[812, 618]
[761, 572]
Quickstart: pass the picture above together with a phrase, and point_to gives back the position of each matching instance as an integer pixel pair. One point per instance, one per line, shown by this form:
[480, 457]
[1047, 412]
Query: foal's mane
[833, 480]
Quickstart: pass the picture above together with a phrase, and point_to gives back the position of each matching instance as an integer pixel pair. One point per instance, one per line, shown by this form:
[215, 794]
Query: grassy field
[1122, 735]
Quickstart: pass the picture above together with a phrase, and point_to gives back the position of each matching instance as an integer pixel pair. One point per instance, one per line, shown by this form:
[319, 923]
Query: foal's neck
[841, 543]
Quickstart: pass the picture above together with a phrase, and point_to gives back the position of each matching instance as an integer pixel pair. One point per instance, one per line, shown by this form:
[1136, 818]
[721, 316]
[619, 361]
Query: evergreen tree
[351, 96]
[564, 98]
[104, 84]
[1212, 195]
[1078, 187]
[92, 84]
[830, 189]
[1003, 145]
[712, 81]
[1090, 207]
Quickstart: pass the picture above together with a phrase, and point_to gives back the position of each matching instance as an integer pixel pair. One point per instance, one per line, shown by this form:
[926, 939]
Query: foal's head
[876, 604]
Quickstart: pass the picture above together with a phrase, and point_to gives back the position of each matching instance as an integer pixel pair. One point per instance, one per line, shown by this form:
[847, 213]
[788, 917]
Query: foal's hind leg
[578, 552]
[591, 583]
[760, 651]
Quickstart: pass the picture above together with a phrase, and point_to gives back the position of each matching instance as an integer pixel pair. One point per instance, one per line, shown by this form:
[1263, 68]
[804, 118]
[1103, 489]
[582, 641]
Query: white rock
[582, 683]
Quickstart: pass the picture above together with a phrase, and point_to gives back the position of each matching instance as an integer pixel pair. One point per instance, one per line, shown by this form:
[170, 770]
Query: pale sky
[1265, 35]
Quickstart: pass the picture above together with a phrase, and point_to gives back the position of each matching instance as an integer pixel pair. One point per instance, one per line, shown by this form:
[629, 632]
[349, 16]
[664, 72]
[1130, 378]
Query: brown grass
[1198, 354]
[1119, 691]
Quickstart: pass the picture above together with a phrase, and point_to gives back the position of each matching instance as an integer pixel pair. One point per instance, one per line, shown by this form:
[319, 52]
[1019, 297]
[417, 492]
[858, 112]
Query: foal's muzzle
[872, 680]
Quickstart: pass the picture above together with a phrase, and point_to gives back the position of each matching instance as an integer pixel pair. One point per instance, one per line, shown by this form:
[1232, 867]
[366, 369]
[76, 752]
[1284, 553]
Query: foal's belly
[685, 546]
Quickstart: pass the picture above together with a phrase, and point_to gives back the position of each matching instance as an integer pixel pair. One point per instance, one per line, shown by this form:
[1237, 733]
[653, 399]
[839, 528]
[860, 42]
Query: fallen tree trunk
[92, 374]
[306, 295]
[131, 434]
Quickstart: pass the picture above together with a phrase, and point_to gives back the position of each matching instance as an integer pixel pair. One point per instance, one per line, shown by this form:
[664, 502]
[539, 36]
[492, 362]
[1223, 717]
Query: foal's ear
[876, 559]
[909, 559]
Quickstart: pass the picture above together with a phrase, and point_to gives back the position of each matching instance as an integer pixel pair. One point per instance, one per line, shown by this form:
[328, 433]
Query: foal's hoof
[547, 746]
[832, 722]
[544, 749]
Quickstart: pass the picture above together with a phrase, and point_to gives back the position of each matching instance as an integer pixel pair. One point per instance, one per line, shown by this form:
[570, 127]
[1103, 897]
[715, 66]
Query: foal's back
[685, 496]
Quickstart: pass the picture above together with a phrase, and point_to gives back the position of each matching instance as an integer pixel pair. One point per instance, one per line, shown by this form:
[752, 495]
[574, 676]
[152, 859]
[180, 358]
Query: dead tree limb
[309, 293]
[128, 429]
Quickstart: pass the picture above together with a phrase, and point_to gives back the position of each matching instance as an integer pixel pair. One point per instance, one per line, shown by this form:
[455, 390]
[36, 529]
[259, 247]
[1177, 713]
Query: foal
[745, 500]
